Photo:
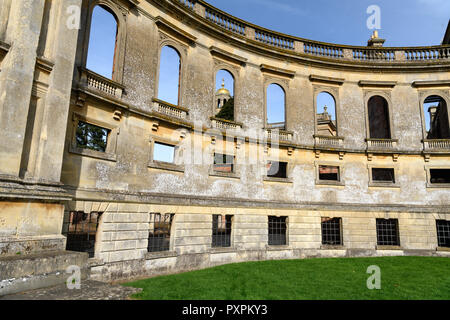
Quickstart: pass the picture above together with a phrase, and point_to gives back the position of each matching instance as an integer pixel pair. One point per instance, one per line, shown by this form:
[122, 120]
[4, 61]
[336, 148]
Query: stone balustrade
[170, 109]
[281, 135]
[442, 145]
[315, 48]
[328, 141]
[97, 82]
[223, 124]
[381, 144]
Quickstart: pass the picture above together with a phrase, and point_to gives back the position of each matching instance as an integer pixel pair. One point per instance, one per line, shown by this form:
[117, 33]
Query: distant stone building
[99, 173]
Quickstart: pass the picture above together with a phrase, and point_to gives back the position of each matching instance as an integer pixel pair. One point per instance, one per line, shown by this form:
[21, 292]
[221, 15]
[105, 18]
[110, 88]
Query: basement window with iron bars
[81, 231]
[159, 234]
[443, 233]
[277, 231]
[221, 230]
[387, 232]
[331, 231]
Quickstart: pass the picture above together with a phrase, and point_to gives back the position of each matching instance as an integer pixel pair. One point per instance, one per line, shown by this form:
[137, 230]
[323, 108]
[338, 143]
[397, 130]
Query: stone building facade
[362, 192]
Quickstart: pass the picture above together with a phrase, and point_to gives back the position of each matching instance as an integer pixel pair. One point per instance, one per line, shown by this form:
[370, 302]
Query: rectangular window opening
[89, 136]
[329, 173]
[277, 169]
[223, 163]
[277, 231]
[82, 231]
[439, 175]
[163, 152]
[443, 233]
[331, 231]
[159, 235]
[221, 230]
[383, 175]
[387, 232]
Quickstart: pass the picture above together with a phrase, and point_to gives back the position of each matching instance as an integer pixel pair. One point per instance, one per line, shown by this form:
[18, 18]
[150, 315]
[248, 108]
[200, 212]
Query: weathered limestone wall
[123, 232]
[35, 84]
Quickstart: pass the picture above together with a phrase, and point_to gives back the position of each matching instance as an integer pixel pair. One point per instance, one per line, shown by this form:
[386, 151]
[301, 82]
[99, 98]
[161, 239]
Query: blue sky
[403, 22]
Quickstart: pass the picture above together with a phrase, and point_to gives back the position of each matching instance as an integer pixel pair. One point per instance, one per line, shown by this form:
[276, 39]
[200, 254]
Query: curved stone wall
[127, 185]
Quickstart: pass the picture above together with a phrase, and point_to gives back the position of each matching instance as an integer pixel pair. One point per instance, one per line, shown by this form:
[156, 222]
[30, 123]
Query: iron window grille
[331, 231]
[277, 169]
[277, 231]
[81, 232]
[221, 230]
[387, 232]
[92, 137]
[383, 175]
[159, 235]
[443, 233]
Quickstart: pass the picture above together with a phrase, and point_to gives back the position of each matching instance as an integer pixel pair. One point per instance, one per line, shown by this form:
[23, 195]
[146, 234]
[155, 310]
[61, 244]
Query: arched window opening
[436, 118]
[224, 95]
[169, 75]
[276, 100]
[378, 110]
[326, 115]
[102, 42]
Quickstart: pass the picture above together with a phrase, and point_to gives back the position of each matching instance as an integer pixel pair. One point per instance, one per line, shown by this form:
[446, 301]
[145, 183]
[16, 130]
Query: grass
[404, 278]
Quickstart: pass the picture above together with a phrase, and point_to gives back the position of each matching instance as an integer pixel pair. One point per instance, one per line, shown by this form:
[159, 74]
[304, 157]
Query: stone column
[55, 71]
[16, 80]
[5, 6]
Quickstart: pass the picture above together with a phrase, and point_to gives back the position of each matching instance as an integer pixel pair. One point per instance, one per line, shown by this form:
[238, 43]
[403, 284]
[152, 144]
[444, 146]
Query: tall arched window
[326, 114]
[378, 111]
[436, 118]
[169, 75]
[102, 42]
[224, 95]
[276, 102]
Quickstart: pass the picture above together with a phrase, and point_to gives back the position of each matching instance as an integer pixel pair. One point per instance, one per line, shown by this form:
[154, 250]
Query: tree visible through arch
[102, 42]
[378, 110]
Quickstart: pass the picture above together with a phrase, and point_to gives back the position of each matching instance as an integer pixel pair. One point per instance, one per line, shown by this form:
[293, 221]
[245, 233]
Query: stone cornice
[228, 56]
[328, 80]
[431, 83]
[277, 71]
[379, 84]
[167, 26]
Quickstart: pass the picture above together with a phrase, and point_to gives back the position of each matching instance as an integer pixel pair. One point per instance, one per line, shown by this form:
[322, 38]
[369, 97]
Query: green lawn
[328, 279]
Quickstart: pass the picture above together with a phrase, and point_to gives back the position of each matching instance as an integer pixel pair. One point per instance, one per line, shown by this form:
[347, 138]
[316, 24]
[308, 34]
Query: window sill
[438, 185]
[444, 249]
[330, 183]
[160, 254]
[388, 248]
[165, 166]
[281, 247]
[384, 185]
[222, 250]
[224, 174]
[281, 180]
[332, 247]
[93, 154]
